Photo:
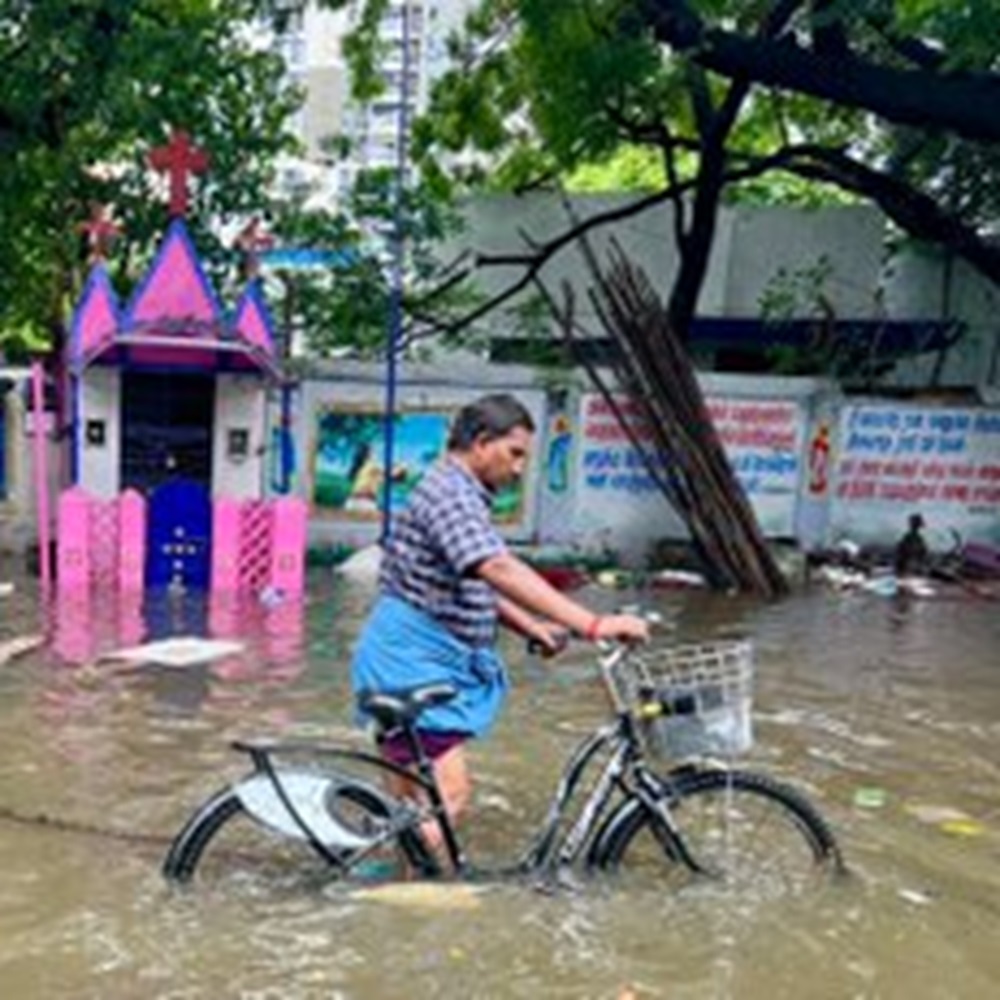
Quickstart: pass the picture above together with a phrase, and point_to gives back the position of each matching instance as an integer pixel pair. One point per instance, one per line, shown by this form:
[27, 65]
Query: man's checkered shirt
[443, 533]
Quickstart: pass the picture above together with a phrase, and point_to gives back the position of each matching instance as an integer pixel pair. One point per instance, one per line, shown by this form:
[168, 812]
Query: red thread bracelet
[591, 634]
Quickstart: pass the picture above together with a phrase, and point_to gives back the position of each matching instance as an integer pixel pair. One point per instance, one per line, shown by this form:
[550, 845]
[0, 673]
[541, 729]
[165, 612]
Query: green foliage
[628, 168]
[801, 292]
[346, 309]
[580, 94]
[363, 51]
[787, 189]
[965, 32]
[89, 87]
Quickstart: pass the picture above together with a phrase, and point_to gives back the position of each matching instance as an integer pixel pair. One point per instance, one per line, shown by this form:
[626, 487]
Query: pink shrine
[169, 448]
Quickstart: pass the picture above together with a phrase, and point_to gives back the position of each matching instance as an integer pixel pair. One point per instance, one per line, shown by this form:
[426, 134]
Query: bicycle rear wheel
[742, 830]
[223, 840]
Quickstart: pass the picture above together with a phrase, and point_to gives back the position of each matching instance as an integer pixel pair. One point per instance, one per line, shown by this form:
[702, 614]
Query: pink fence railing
[257, 545]
[101, 543]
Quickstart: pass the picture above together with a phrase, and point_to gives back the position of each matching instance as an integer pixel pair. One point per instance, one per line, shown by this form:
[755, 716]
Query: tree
[928, 70]
[925, 64]
[571, 78]
[346, 308]
[727, 93]
[88, 88]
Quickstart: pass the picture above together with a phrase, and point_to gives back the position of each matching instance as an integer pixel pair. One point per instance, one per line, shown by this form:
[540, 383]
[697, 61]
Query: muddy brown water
[854, 693]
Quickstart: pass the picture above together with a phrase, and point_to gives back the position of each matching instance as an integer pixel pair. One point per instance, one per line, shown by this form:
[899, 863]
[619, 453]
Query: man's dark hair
[491, 416]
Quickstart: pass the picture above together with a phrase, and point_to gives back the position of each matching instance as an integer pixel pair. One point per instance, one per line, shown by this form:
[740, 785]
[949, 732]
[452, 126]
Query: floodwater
[886, 713]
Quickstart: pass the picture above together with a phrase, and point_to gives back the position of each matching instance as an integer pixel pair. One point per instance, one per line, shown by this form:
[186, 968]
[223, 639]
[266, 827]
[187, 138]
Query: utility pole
[396, 276]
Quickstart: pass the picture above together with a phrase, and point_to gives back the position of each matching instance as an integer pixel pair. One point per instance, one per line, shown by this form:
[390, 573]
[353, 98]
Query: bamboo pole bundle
[686, 459]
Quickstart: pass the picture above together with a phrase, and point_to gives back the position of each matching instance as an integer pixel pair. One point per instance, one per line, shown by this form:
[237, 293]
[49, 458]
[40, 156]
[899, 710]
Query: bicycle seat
[391, 709]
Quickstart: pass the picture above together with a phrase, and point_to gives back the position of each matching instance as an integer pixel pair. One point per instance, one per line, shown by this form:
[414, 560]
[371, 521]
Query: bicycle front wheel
[222, 840]
[742, 830]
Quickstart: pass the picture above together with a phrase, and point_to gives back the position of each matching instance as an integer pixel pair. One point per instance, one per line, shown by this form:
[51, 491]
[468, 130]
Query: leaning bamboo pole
[687, 459]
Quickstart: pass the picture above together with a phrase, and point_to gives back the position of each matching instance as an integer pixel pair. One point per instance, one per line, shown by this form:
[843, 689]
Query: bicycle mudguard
[303, 805]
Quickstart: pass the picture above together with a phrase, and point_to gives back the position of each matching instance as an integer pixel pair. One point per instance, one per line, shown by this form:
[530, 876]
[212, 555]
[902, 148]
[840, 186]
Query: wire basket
[692, 700]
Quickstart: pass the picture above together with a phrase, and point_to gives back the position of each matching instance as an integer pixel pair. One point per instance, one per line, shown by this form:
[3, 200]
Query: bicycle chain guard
[310, 796]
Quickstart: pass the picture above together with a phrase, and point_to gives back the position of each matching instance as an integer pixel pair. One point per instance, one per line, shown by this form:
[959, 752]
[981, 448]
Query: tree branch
[945, 101]
[915, 212]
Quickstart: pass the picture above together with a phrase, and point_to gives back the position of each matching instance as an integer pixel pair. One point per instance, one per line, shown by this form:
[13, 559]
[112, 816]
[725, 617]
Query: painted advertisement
[349, 455]
[762, 439]
[895, 460]
[348, 461]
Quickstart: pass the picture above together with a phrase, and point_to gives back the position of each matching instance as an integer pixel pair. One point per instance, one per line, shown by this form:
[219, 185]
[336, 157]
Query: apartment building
[414, 35]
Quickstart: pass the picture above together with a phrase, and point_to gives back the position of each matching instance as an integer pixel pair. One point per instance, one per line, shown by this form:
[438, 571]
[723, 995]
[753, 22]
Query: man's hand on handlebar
[548, 639]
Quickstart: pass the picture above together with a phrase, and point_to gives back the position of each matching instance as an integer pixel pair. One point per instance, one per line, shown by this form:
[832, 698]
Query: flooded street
[887, 714]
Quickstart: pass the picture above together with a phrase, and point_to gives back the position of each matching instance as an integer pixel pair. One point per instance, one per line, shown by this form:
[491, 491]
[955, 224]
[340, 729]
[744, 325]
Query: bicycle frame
[624, 772]
[344, 817]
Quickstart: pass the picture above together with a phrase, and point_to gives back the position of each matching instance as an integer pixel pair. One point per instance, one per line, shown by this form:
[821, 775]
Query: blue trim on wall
[892, 336]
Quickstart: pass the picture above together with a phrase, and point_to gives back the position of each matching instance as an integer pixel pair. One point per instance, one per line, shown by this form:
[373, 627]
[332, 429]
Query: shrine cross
[177, 159]
[100, 231]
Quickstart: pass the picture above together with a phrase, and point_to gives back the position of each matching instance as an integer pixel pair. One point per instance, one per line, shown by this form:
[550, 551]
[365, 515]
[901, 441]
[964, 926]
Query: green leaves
[87, 88]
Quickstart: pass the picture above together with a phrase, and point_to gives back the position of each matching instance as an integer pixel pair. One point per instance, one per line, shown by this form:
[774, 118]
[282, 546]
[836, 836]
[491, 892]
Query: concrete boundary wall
[339, 443]
[816, 466]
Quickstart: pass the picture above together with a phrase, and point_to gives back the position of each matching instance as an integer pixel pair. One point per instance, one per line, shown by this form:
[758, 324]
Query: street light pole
[396, 276]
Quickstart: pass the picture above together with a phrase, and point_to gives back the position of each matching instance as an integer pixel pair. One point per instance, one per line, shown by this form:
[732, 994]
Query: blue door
[180, 535]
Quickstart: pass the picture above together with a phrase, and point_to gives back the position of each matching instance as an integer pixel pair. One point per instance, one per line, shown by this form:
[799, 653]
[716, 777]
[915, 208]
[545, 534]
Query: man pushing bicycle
[447, 580]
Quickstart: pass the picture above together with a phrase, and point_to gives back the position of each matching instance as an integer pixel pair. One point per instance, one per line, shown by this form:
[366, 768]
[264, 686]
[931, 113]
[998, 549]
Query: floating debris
[935, 815]
[423, 895]
[677, 579]
[362, 566]
[11, 649]
[963, 828]
[615, 579]
[182, 651]
[916, 896]
[869, 798]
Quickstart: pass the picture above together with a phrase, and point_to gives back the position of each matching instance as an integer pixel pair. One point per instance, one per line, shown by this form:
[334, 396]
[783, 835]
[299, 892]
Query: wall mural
[348, 461]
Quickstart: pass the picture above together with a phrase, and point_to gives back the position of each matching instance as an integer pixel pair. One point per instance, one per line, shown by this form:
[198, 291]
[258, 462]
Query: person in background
[447, 580]
[912, 556]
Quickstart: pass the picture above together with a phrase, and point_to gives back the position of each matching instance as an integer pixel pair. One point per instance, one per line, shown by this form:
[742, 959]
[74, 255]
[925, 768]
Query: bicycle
[700, 816]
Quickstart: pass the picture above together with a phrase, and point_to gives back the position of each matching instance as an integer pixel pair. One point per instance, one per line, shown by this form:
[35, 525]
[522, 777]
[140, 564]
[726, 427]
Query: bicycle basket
[702, 693]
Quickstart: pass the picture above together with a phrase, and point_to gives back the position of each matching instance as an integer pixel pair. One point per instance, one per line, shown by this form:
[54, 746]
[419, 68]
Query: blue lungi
[403, 647]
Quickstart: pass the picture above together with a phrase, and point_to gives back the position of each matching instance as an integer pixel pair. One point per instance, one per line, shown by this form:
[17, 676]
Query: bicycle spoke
[246, 852]
[742, 832]
[750, 843]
